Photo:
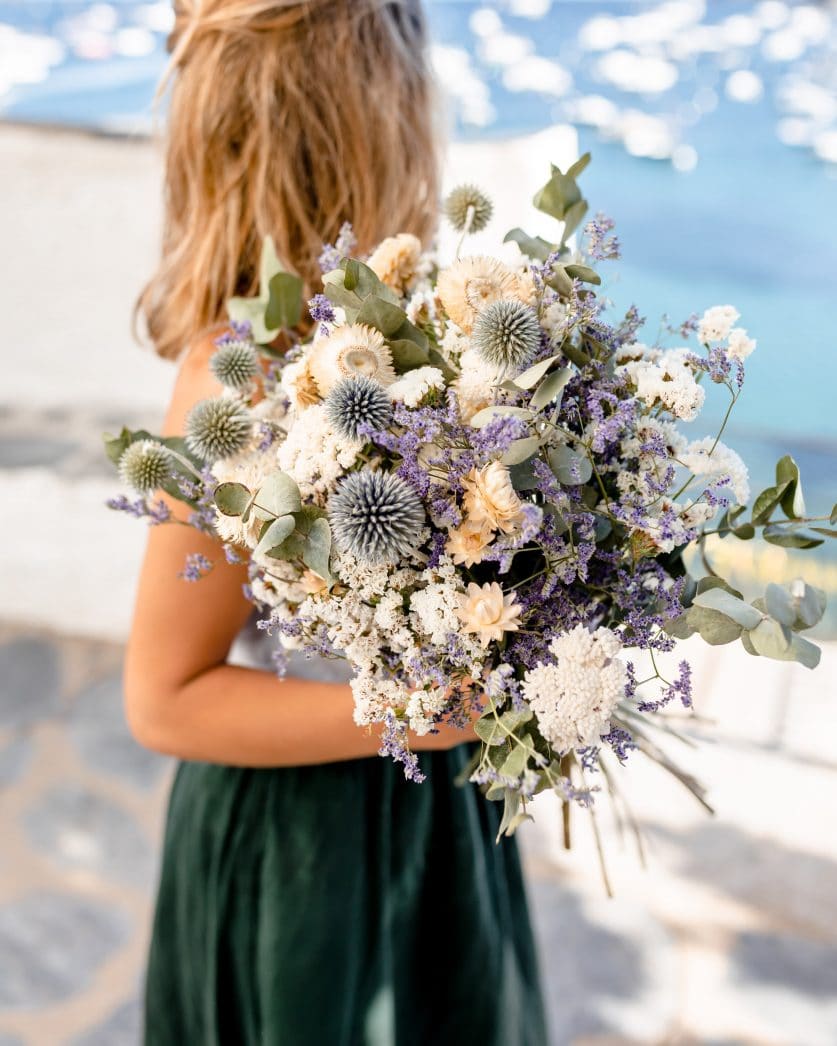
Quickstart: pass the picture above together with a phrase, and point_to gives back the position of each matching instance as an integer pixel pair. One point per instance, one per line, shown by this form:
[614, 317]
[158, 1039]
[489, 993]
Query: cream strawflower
[347, 352]
[472, 283]
[485, 611]
[395, 261]
[466, 544]
[490, 498]
[575, 697]
[298, 382]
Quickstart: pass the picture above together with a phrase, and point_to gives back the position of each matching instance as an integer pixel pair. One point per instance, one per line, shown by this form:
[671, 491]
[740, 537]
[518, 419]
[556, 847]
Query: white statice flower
[695, 513]
[411, 388]
[374, 694]
[421, 308]
[251, 470]
[716, 323]
[475, 384]
[434, 606]
[575, 697]
[314, 455]
[739, 344]
[423, 707]
[554, 318]
[669, 382]
[700, 458]
[636, 351]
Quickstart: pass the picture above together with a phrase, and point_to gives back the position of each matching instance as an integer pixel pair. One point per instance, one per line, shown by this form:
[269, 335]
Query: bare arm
[181, 696]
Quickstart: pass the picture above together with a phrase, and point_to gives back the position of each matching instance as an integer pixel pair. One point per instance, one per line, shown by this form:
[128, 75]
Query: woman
[309, 894]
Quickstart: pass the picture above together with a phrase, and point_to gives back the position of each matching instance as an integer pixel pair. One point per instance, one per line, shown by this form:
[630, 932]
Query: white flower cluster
[314, 455]
[575, 697]
[716, 323]
[664, 379]
[706, 458]
[411, 388]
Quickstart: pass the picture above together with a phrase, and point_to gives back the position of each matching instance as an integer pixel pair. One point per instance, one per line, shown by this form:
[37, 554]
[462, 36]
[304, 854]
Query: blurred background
[713, 128]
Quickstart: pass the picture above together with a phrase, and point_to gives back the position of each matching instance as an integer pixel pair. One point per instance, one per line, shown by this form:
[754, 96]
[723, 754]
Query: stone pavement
[729, 936]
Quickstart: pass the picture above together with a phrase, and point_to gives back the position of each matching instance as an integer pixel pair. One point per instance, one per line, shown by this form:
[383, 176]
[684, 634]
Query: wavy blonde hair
[286, 118]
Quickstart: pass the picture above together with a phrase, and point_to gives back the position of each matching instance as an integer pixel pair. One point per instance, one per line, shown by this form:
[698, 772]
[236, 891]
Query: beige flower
[298, 381]
[395, 260]
[490, 498]
[466, 544]
[486, 611]
[472, 283]
[311, 583]
[350, 351]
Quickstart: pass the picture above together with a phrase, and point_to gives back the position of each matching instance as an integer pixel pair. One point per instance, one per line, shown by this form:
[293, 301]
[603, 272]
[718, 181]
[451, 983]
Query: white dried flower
[701, 459]
[251, 470]
[716, 323]
[739, 345]
[467, 543]
[490, 498]
[355, 350]
[395, 260]
[669, 383]
[314, 455]
[487, 612]
[575, 697]
[411, 388]
[472, 283]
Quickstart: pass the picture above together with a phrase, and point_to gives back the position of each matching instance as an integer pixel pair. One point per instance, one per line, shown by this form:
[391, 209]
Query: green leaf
[512, 719]
[351, 284]
[780, 605]
[569, 467]
[277, 496]
[581, 164]
[511, 809]
[523, 475]
[704, 584]
[787, 472]
[521, 450]
[765, 504]
[826, 533]
[810, 607]
[530, 377]
[713, 627]
[269, 264]
[771, 639]
[532, 246]
[786, 537]
[559, 281]
[489, 730]
[573, 218]
[574, 354]
[516, 762]
[254, 310]
[499, 410]
[284, 306]
[833, 517]
[317, 549]
[548, 390]
[718, 599]
[681, 627]
[231, 499]
[274, 536]
[390, 320]
[406, 355]
[583, 273]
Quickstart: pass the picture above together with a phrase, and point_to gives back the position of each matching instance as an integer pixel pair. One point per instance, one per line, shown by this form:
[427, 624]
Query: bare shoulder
[195, 381]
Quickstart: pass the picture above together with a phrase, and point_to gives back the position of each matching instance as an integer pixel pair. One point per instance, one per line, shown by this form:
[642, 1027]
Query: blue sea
[713, 129]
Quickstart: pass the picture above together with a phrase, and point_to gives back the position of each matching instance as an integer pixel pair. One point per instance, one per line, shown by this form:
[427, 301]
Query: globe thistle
[507, 334]
[145, 465]
[376, 516]
[235, 364]
[217, 428]
[357, 401]
[459, 200]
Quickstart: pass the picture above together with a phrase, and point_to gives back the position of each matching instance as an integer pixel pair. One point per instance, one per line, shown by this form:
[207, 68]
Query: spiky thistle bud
[217, 428]
[507, 334]
[357, 401]
[145, 465]
[458, 202]
[376, 516]
[235, 364]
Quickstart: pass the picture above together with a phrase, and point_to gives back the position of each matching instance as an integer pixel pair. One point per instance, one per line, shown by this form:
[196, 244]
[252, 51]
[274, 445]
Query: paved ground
[729, 936]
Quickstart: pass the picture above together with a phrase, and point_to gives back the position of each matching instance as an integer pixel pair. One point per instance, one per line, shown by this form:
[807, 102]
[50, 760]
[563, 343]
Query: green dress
[339, 905]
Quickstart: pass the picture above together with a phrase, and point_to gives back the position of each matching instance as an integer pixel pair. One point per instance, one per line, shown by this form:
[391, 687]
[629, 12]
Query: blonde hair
[286, 118]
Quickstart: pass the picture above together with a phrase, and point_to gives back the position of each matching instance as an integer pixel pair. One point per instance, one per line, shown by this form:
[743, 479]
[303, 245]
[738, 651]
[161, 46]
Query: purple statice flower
[602, 244]
[203, 517]
[321, 309]
[197, 566]
[438, 539]
[231, 555]
[621, 742]
[394, 743]
[279, 657]
[238, 331]
[266, 434]
[333, 254]
[155, 512]
[626, 332]
[681, 687]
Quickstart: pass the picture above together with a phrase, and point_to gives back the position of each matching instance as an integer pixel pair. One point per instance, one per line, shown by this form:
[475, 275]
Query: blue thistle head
[217, 428]
[376, 516]
[507, 334]
[235, 363]
[145, 465]
[357, 401]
